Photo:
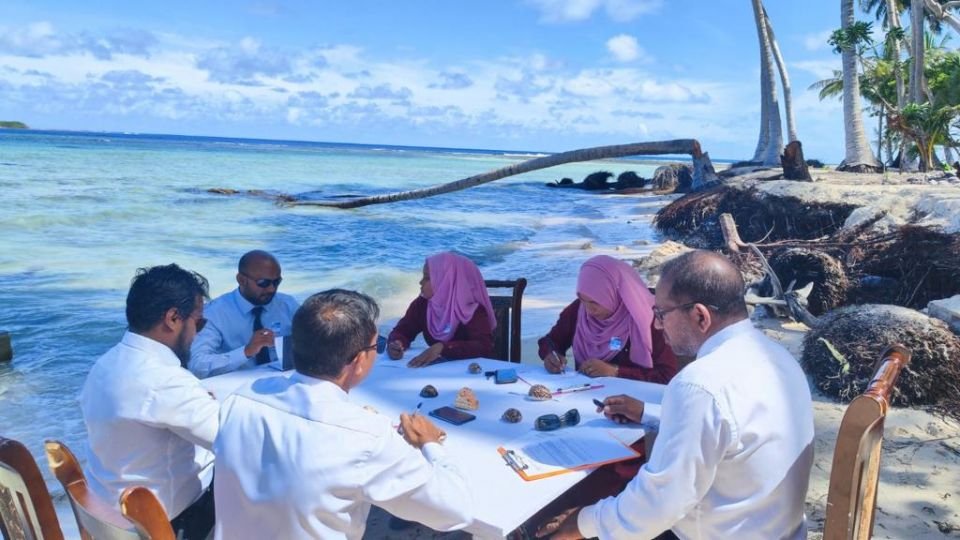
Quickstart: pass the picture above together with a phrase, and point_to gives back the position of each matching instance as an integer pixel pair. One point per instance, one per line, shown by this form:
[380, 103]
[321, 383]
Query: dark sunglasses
[264, 283]
[550, 422]
[660, 313]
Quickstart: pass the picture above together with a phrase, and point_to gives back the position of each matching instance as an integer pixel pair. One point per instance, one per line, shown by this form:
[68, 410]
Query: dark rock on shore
[675, 177]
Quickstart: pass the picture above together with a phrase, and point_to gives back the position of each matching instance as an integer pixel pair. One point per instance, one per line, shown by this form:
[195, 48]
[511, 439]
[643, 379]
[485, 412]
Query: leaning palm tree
[770, 143]
[858, 156]
[784, 79]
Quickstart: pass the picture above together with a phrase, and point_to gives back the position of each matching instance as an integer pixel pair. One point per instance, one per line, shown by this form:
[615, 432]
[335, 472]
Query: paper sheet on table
[541, 454]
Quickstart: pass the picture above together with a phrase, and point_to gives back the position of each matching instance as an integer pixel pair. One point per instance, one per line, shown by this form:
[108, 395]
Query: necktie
[263, 356]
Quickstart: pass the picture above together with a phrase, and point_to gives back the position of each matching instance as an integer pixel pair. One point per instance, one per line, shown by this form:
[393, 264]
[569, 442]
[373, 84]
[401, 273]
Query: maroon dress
[664, 361]
[471, 340]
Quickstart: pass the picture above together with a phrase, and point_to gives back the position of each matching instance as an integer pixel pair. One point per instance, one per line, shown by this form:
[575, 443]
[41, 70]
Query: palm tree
[784, 79]
[770, 143]
[703, 172]
[858, 156]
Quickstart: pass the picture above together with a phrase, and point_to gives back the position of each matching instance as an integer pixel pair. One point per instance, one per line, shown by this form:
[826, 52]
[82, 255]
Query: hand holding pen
[621, 409]
[418, 430]
[554, 362]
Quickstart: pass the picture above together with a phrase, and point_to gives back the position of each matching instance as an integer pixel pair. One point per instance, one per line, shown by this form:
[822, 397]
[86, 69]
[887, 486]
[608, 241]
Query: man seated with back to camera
[242, 323]
[296, 458]
[733, 456]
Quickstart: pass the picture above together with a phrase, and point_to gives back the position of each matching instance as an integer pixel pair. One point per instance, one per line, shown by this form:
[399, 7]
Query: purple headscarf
[458, 290]
[616, 286]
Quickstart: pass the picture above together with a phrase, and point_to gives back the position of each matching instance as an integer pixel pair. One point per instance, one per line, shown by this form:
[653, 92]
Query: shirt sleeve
[561, 335]
[411, 324]
[206, 360]
[664, 363]
[183, 406]
[694, 436]
[472, 340]
[424, 486]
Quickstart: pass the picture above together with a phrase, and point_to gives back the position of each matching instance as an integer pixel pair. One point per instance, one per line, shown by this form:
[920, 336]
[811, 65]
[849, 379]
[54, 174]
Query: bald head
[255, 257]
[707, 278]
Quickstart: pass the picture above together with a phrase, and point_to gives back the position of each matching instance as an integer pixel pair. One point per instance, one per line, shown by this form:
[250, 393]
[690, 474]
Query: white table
[502, 499]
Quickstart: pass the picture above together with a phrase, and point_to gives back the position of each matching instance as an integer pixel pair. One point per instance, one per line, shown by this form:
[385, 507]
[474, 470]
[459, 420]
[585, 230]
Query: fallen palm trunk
[703, 174]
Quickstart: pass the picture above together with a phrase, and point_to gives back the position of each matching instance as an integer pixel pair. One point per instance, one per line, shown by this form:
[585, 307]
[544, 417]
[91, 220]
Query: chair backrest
[852, 496]
[26, 510]
[96, 518]
[507, 310]
[139, 505]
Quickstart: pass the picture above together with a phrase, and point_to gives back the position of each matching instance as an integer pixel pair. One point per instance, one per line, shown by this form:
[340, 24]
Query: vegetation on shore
[13, 124]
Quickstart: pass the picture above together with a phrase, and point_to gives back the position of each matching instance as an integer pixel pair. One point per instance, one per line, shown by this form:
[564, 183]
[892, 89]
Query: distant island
[10, 124]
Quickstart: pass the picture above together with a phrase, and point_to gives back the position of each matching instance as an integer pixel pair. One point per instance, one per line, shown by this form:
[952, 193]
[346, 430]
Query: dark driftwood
[703, 174]
[794, 166]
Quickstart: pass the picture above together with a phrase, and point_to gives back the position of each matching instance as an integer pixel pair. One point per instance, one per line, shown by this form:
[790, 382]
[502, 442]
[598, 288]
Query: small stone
[512, 416]
[474, 368]
[540, 392]
[466, 400]
[429, 391]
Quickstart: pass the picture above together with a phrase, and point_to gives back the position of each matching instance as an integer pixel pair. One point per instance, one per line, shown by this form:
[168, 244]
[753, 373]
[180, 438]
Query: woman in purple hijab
[453, 312]
[610, 327]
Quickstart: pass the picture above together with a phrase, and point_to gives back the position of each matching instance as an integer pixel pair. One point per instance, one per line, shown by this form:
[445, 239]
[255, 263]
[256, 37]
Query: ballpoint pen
[579, 388]
[415, 411]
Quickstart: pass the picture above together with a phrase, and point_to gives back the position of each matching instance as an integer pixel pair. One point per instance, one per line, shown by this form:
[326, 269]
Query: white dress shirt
[734, 452]
[218, 348]
[297, 459]
[145, 417]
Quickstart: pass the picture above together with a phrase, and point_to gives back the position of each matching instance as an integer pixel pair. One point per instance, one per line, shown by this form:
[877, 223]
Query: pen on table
[583, 388]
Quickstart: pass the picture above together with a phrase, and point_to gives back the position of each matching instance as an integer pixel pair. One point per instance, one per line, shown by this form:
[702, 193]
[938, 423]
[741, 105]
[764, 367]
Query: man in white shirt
[241, 324]
[733, 456]
[297, 459]
[145, 413]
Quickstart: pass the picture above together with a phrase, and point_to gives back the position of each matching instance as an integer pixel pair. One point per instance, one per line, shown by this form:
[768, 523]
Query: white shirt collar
[152, 347]
[715, 341]
[321, 387]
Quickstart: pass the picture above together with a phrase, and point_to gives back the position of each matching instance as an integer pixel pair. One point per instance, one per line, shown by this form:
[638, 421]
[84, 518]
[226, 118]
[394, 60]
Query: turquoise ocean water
[81, 211]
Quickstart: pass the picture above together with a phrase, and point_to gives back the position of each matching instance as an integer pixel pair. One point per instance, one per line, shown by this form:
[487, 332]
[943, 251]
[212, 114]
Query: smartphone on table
[454, 416]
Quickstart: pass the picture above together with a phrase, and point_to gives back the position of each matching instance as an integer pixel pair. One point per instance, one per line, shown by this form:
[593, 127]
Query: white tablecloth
[503, 500]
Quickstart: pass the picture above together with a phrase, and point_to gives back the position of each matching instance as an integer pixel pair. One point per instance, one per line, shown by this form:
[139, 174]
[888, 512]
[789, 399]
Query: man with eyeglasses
[243, 323]
[297, 458]
[145, 414]
[735, 448]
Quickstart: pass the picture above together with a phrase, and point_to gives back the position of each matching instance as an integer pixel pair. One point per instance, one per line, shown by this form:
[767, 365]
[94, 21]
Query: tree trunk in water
[703, 170]
[794, 166]
[858, 157]
[770, 155]
[784, 79]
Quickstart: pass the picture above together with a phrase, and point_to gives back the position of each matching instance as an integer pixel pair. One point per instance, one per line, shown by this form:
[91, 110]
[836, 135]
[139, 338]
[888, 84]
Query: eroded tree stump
[794, 166]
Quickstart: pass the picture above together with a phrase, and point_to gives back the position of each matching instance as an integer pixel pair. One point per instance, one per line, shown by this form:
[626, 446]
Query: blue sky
[546, 75]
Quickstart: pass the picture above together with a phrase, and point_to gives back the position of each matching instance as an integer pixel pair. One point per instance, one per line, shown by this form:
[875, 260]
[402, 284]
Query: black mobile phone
[454, 416]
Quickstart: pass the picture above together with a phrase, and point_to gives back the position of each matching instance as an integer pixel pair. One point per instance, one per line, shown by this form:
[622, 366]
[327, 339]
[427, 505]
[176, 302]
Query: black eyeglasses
[264, 283]
[660, 313]
[550, 422]
[380, 346]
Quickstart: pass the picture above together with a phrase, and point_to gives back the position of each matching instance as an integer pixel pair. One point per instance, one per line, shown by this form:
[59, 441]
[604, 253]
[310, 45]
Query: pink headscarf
[458, 290]
[616, 286]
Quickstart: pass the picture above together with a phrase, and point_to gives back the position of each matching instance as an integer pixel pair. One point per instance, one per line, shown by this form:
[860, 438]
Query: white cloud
[625, 48]
[579, 10]
[821, 69]
[817, 41]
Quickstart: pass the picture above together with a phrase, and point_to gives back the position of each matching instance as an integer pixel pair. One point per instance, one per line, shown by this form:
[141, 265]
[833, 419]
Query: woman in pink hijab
[453, 311]
[610, 326]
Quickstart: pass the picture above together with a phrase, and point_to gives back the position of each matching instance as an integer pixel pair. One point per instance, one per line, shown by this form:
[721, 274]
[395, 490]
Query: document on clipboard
[541, 454]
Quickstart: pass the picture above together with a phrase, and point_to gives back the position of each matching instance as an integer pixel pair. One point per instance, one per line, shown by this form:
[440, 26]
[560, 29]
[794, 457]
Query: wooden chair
[506, 309]
[852, 496]
[141, 515]
[26, 510]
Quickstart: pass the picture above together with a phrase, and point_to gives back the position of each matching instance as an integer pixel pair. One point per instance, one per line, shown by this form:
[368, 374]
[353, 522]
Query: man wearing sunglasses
[243, 323]
[735, 448]
[145, 414]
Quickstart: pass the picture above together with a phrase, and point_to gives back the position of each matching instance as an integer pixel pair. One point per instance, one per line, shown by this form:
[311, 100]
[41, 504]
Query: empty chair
[26, 510]
[854, 477]
[506, 309]
[99, 519]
